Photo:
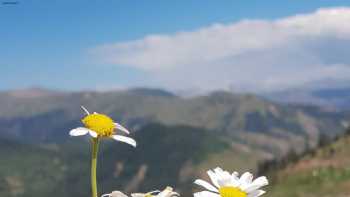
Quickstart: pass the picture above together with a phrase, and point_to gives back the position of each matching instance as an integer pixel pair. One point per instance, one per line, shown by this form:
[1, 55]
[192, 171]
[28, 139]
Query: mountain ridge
[251, 120]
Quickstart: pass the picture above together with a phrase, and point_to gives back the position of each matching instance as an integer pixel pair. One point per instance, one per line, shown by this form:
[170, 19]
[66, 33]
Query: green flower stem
[95, 143]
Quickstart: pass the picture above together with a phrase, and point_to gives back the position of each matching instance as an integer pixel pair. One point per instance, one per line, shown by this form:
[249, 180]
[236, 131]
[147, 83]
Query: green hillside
[164, 156]
[323, 173]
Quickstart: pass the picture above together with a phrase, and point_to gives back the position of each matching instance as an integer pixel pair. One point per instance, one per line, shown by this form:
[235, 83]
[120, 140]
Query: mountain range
[179, 138]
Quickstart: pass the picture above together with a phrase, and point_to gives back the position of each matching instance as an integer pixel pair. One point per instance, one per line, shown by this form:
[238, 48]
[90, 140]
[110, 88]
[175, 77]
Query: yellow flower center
[231, 192]
[100, 123]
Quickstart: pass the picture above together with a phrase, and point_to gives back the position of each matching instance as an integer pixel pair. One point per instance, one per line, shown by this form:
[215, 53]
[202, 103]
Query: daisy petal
[261, 181]
[256, 184]
[85, 110]
[227, 181]
[174, 194]
[167, 192]
[214, 178]
[79, 131]
[222, 173]
[234, 179]
[197, 194]
[127, 140]
[120, 127]
[206, 194]
[164, 193]
[218, 170]
[245, 180]
[154, 192]
[117, 194]
[256, 193]
[246, 177]
[138, 195]
[206, 185]
[235, 174]
[93, 133]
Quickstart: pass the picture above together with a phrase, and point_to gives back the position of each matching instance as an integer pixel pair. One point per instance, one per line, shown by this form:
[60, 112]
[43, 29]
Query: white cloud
[250, 55]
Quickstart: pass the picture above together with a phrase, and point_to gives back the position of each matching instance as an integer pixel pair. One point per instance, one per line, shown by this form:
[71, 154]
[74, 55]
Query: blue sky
[49, 43]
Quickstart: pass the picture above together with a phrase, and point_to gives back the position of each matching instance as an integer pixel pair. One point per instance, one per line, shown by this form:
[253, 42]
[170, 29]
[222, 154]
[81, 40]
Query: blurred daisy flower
[101, 125]
[167, 192]
[230, 185]
[115, 194]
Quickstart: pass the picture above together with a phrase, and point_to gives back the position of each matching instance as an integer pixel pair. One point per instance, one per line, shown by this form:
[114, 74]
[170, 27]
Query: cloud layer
[250, 55]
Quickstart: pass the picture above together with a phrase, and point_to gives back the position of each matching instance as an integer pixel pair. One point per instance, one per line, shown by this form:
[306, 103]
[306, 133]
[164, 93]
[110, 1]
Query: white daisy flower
[115, 194]
[167, 192]
[230, 185]
[101, 125]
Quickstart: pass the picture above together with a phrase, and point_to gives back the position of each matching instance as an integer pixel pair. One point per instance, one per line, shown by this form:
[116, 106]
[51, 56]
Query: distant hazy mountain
[333, 98]
[151, 92]
[247, 119]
